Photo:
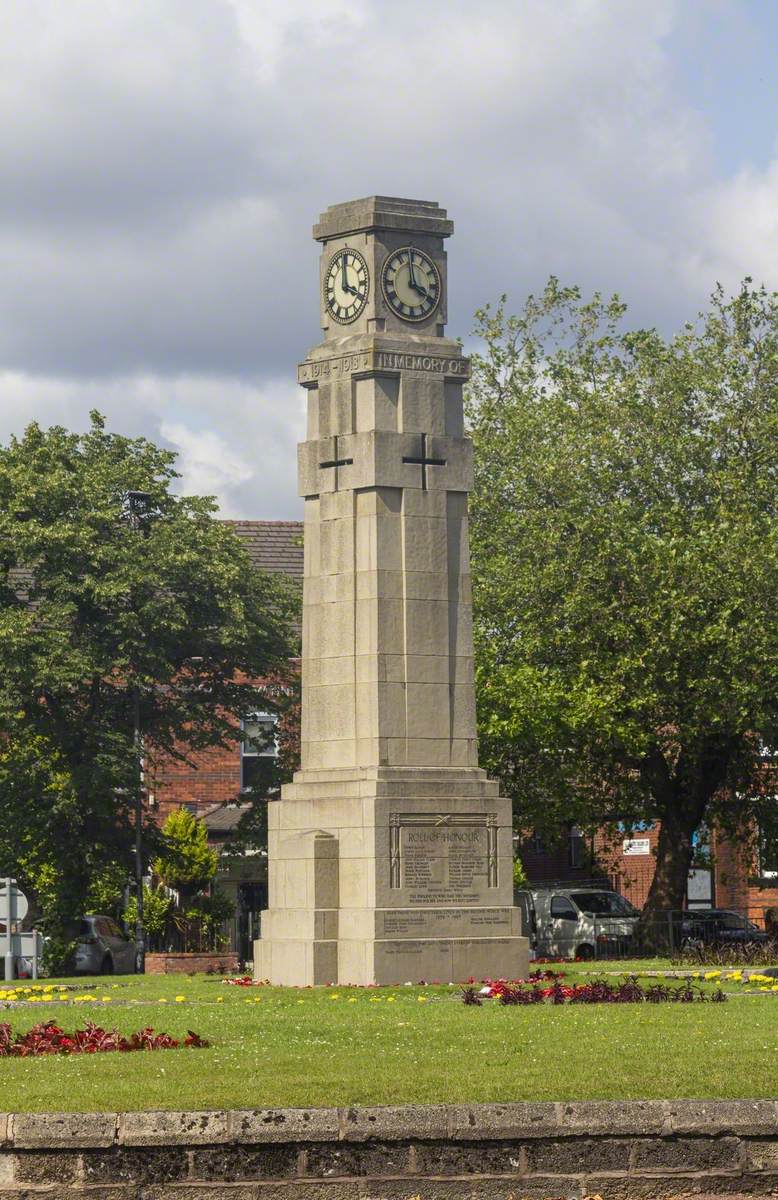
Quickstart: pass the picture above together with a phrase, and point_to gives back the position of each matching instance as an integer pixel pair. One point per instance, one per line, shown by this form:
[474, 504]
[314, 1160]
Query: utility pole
[137, 503]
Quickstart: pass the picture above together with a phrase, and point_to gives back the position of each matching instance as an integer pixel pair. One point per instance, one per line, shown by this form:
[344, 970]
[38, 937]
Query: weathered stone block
[390, 1122]
[160, 1128]
[63, 1129]
[203, 1191]
[470, 1158]
[471, 1189]
[654, 1187]
[47, 1166]
[502, 1120]
[573, 1155]
[236, 1163]
[136, 1164]
[685, 1154]
[611, 1116]
[67, 1191]
[722, 1116]
[763, 1154]
[287, 1124]
[361, 1158]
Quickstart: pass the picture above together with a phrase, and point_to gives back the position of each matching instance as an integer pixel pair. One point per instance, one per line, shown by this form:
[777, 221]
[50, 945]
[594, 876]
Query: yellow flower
[163, 1000]
[106, 999]
[390, 999]
[180, 999]
[352, 999]
[220, 999]
[422, 999]
[334, 996]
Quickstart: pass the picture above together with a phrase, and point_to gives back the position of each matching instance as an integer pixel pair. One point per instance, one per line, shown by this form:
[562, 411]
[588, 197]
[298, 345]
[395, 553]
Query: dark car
[719, 927]
[103, 948]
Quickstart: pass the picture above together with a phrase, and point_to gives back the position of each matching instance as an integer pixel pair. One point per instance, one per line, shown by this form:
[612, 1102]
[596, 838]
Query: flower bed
[599, 991]
[48, 1038]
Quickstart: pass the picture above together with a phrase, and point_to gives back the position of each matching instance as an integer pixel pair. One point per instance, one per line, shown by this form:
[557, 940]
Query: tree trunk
[660, 923]
[682, 801]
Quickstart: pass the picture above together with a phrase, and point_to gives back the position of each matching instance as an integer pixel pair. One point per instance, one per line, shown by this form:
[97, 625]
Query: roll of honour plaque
[390, 854]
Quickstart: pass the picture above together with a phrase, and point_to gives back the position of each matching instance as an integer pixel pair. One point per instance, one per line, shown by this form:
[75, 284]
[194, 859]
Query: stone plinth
[389, 875]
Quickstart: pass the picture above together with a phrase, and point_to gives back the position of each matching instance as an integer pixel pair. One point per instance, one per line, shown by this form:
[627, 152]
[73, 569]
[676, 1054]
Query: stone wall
[221, 962]
[476, 1152]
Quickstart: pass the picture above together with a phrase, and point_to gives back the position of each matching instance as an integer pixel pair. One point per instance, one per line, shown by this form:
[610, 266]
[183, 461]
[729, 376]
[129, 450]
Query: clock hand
[344, 283]
[411, 275]
[412, 280]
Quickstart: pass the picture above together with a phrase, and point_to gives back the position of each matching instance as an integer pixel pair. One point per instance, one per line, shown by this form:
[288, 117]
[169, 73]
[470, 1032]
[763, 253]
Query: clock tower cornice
[375, 213]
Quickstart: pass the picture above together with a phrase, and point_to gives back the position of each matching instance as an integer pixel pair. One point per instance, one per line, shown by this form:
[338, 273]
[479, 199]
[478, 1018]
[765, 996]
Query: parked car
[719, 927]
[103, 948]
[565, 921]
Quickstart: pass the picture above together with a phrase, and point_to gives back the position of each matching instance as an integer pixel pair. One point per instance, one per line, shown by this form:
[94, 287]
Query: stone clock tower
[390, 855]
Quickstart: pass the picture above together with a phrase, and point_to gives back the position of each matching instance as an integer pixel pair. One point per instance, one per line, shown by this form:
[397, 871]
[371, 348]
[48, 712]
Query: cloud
[163, 162]
[234, 439]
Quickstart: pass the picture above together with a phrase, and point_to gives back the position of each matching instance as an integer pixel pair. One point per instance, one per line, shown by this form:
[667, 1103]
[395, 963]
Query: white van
[569, 921]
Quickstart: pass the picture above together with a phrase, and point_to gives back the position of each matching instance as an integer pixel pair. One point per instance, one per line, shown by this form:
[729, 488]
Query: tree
[117, 598]
[187, 865]
[625, 562]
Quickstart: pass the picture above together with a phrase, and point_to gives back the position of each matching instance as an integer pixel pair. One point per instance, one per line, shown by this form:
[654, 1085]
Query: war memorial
[390, 854]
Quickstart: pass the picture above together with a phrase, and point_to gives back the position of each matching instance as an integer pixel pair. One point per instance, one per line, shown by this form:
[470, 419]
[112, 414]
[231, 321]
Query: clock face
[411, 284]
[346, 285]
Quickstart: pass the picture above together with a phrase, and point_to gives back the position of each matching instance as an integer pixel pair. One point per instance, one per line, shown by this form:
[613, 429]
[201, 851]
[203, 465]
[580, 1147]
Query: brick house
[212, 786]
[724, 875]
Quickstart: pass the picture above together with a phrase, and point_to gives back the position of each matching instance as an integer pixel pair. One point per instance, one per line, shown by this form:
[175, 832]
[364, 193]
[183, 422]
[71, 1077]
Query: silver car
[102, 948]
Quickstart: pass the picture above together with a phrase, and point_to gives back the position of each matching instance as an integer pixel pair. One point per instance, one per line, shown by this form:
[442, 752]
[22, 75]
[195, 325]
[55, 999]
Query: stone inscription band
[367, 361]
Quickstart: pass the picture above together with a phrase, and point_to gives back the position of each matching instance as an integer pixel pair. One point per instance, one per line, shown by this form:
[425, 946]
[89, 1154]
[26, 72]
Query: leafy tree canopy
[185, 861]
[625, 561]
[114, 593]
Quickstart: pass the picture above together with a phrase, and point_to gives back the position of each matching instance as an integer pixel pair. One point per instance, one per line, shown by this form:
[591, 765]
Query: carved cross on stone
[423, 461]
[336, 462]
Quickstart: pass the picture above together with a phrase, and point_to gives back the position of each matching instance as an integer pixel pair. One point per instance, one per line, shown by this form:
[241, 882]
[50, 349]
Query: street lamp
[137, 507]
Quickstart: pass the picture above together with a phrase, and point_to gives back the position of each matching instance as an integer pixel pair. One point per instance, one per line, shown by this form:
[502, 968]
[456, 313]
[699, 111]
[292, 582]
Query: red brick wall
[631, 873]
[212, 778]
[221, 962]
[734, 872]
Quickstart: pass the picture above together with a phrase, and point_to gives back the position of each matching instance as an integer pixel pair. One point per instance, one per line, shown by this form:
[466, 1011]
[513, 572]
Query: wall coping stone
[61, 1130]
[466, 1122]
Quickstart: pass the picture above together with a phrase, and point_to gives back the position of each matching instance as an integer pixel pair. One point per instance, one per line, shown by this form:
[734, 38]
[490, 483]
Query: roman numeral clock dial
[411, 284]
[346, 285]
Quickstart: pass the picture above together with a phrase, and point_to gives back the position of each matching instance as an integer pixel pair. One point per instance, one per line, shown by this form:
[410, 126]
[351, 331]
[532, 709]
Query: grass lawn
[339, 1046]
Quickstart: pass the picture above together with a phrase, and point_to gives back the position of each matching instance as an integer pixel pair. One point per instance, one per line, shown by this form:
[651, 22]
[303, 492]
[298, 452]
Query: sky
[163, 162]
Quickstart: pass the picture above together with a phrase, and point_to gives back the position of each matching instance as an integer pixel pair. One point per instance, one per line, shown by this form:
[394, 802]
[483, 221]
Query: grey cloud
[163, 162]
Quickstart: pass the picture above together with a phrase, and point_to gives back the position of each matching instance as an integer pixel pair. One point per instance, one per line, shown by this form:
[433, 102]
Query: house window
[576, 848]
[259, 749]
[768, 854]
